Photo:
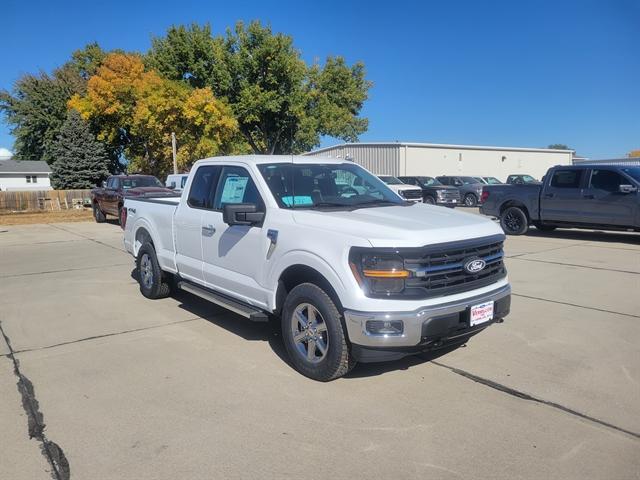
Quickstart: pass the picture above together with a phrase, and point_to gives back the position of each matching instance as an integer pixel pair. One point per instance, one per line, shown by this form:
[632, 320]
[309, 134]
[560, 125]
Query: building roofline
[442, 145]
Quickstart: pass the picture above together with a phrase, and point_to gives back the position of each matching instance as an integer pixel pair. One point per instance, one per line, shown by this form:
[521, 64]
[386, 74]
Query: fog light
[385, 327]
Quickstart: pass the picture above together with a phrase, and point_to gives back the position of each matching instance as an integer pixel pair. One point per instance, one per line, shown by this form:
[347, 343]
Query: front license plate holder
[481, 313]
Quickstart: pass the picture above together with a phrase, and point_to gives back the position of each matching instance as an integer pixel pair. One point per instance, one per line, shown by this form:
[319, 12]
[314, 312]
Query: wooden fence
[25, 201]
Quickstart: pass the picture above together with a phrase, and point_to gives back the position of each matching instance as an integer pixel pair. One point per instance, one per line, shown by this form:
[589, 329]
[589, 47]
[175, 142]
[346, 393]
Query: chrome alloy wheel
[310, 335]
[146, 271]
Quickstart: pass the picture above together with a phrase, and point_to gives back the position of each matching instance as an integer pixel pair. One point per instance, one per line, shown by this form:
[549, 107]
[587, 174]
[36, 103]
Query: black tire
[99, 216]
[470, 200]
[544, 228]
[429, 200]
[152, 280]
[514, 221]
[336, 361]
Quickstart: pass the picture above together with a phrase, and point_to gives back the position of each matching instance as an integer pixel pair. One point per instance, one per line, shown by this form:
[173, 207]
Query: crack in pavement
[88, 238]
[525, 396]
[572, 264]
[64, 270]
[574, 305]
[133, 330]
[54, 454]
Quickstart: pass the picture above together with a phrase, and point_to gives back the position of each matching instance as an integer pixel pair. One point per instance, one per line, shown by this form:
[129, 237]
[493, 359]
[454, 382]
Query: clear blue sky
[510, 73]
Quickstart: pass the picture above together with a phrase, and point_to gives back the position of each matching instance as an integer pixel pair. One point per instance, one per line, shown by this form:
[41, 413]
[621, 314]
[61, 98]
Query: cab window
[203, 185]
[566, 178]
[236, 186]
[606, 180]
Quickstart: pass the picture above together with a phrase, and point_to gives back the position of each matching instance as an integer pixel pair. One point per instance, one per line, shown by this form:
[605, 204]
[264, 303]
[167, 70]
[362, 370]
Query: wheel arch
[297, 274]
[515, 203]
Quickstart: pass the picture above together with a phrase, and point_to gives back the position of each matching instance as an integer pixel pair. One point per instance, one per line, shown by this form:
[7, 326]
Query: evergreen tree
[80, 161]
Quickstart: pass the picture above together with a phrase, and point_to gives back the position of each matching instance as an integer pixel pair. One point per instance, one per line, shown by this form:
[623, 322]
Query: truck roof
[261, 159]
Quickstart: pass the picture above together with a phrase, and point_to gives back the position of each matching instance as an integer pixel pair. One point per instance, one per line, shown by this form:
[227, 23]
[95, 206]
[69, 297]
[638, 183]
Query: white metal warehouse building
[434, 159]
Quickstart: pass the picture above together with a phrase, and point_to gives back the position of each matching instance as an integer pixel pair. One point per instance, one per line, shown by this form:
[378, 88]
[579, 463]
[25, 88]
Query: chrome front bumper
[413, 321]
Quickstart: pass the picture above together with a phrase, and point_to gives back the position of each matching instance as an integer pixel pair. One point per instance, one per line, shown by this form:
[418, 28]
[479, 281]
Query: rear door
[234, 256]
[604, 204]
[188, 230]
[561, 197]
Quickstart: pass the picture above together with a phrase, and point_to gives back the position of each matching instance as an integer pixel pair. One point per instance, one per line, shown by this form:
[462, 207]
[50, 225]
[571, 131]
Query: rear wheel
[470, 200]
[99, 216]
[514, 221]
[313, 334]
[430, 200]
[151, 278]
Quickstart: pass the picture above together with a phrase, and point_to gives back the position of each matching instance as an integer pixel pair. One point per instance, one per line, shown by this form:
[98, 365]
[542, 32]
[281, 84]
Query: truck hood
[148, 191]
[411, 226]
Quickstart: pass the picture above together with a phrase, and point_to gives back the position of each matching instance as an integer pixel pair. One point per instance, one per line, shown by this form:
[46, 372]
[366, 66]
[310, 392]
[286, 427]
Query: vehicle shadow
[270, 332]
[588, 235]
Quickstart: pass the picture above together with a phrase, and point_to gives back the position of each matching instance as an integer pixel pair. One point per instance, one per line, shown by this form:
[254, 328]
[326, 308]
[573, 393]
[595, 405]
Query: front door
[604, 204]
[234, 256]
[561, 199]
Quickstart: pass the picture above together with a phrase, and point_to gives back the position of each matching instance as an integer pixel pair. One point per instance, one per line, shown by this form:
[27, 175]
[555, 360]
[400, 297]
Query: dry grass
[26, 218]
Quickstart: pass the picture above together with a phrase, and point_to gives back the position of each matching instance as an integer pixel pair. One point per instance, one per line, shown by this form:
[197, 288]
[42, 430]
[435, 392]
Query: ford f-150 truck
[109, 198]
[578, 196]
[352, 275]
[434, 192]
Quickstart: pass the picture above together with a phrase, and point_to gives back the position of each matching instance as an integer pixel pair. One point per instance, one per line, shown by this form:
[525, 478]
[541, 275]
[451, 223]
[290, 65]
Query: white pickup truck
[353, 274]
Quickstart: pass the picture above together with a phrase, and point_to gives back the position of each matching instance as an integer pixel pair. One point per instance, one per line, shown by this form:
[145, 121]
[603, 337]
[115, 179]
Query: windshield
[633, 172]
[528, 179]
[428, 181]
[468, 180]
[389, 180]
[348, 185]
[492, 180]
[133, 182]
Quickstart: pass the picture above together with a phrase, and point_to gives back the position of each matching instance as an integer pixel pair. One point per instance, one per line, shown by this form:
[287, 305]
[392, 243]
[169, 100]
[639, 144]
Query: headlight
[440, 193]
[379, 273]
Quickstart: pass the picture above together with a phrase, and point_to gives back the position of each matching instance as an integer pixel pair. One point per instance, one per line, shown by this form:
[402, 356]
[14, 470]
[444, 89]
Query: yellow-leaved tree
[135, 109]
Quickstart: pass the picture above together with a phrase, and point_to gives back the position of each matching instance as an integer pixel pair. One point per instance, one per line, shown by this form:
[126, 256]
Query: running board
[252, 313]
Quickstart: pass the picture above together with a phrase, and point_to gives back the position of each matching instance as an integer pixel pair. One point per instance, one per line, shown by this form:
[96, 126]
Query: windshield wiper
[377, 203]
[330, 204]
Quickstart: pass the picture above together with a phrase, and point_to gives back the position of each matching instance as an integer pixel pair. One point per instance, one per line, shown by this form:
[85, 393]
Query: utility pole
[173, 150]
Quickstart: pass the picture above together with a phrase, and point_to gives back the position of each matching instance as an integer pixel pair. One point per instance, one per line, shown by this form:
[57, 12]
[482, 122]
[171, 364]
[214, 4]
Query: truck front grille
[411, 194]
[439, 269]
[450, 194]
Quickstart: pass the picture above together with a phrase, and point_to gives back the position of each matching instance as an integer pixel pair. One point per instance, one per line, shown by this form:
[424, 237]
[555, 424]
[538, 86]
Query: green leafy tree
[81, 161]
[558, 146]
[37, 107]
[281, 104]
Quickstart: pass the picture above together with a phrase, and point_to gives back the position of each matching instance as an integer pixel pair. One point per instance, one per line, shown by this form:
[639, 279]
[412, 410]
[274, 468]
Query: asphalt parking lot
[128, 388]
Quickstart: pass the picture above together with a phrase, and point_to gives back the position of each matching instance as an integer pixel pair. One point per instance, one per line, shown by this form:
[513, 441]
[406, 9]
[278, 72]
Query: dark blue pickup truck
[577, 196]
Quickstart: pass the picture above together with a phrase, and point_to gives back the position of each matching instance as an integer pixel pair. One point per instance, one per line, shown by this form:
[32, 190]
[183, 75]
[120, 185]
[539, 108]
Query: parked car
[434, 192]
[176, 181]
[352, 276]
[470, 189]
[109, 199]
[594, 196]
[407, 192]
[492, 181]
[522, 179]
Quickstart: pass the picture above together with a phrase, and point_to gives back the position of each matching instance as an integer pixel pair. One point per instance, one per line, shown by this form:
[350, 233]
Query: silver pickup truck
[575, 196]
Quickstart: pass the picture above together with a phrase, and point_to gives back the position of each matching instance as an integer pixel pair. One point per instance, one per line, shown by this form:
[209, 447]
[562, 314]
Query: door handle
[208, 231]
[590, 197]
[548, 195]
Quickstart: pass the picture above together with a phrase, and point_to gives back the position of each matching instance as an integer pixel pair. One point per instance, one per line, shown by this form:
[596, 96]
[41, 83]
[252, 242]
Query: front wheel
[313, 334]
[470, 200]
[150, 275]
[514, 221]
[429, 200]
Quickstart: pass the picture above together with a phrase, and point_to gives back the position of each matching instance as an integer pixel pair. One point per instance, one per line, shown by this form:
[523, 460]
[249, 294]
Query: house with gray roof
[24, 175]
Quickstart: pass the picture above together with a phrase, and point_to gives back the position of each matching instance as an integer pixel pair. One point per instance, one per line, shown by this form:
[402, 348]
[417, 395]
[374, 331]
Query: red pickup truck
[109, 199]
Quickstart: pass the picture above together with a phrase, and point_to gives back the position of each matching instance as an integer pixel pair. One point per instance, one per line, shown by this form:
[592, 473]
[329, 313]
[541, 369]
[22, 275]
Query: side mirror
[171, 186]
[627, 189]
[104, 184]
[241, 214]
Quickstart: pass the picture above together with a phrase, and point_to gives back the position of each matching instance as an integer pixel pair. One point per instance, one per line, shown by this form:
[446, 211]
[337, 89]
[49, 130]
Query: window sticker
[297, 200]
[234, 188]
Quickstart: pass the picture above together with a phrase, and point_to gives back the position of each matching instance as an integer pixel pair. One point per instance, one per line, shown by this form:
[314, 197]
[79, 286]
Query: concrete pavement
[178, 388]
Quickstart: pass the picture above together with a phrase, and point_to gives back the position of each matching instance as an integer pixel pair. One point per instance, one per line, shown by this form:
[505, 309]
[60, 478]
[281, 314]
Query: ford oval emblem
[474, 265]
